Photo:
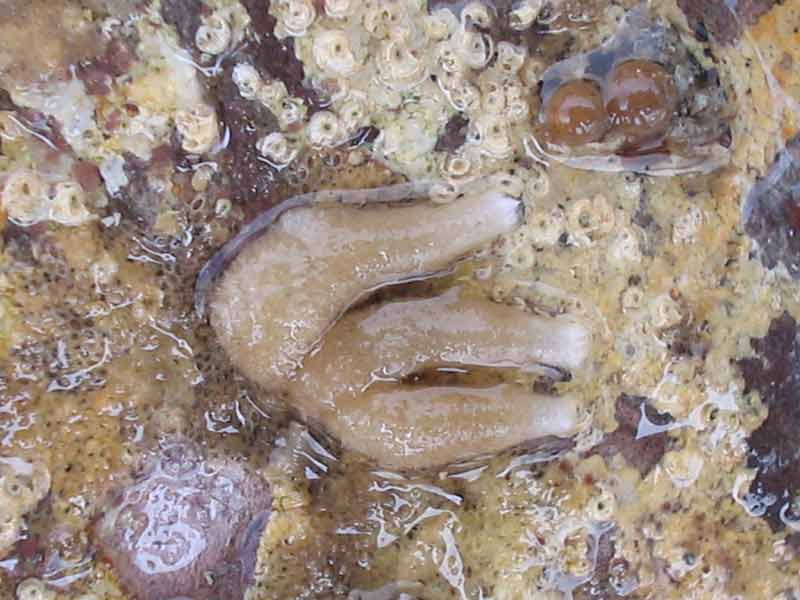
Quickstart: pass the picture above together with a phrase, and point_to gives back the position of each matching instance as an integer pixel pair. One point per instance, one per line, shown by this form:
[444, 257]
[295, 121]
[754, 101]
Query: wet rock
[454, 134]
[603, 584]
[5, 100]
[185, 16]
[142, 198]
[248, 121]
[643, 453]
[274, 58]
[775, 446]
[98, 73]
[718, 19]
[772, 211]
[187, 527]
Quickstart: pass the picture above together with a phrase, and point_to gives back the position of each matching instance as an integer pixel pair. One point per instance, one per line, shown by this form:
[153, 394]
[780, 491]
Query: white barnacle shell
[475, 49]
[538, 183]
[294, 17]
[324, 129]
[516, 109]
[276, 149]
[510, 58]
[214, 34]
[446, 58]
[492, 136]
[455, 167]
[22, 197]
[476, 13]
[272, 93]
[198, 128]
[247, 80]
[398, 65]
[353, 112]
[590, 219]
[291, 110]
[440, 24]
[524, 13]
[333, 54]
[462, 95]
[382, 15]
[546, 227]
[67, 205]
[340, 9]
[34, 589]
[493, 97]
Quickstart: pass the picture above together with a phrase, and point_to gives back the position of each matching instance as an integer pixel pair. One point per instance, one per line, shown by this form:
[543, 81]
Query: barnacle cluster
[27, 199]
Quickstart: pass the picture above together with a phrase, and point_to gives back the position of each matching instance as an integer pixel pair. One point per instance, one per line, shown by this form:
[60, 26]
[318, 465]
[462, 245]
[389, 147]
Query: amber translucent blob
[575, 114]
[640, 99]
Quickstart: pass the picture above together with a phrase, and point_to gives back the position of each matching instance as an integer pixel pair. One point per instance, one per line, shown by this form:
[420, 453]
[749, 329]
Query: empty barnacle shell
[277, 149]
[247, 80]
[198, 129]
[639, 102]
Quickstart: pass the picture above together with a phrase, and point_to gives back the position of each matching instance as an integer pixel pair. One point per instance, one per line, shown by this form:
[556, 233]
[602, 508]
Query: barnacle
[353, 112]
[590, 219]
[28, 200]
[22, 487]
[339, 9]
[198, 128]
[272, 94]
[294, 17]
[510, 58]
[333, 54]
[214, 34]
[67, 205]
[524, 13]
[247, 80]
[34, 589]
[474, 48]
[324, 129]
[492, 136]
[398, 65]
[22, 194]
[290, 110]
[277, 149]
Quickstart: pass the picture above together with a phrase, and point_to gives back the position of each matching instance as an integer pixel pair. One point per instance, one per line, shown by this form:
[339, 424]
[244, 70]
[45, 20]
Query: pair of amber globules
[637, 100]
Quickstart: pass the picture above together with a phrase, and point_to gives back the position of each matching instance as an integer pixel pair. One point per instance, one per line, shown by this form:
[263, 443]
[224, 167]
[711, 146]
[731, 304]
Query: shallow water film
[395, 299]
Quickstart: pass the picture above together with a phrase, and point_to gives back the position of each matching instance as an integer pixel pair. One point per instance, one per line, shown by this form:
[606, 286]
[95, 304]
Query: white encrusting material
[284, 289]
[353, 384]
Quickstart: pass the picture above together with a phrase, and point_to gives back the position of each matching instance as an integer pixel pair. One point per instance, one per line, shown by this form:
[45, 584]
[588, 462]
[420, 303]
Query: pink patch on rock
[184, 528]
